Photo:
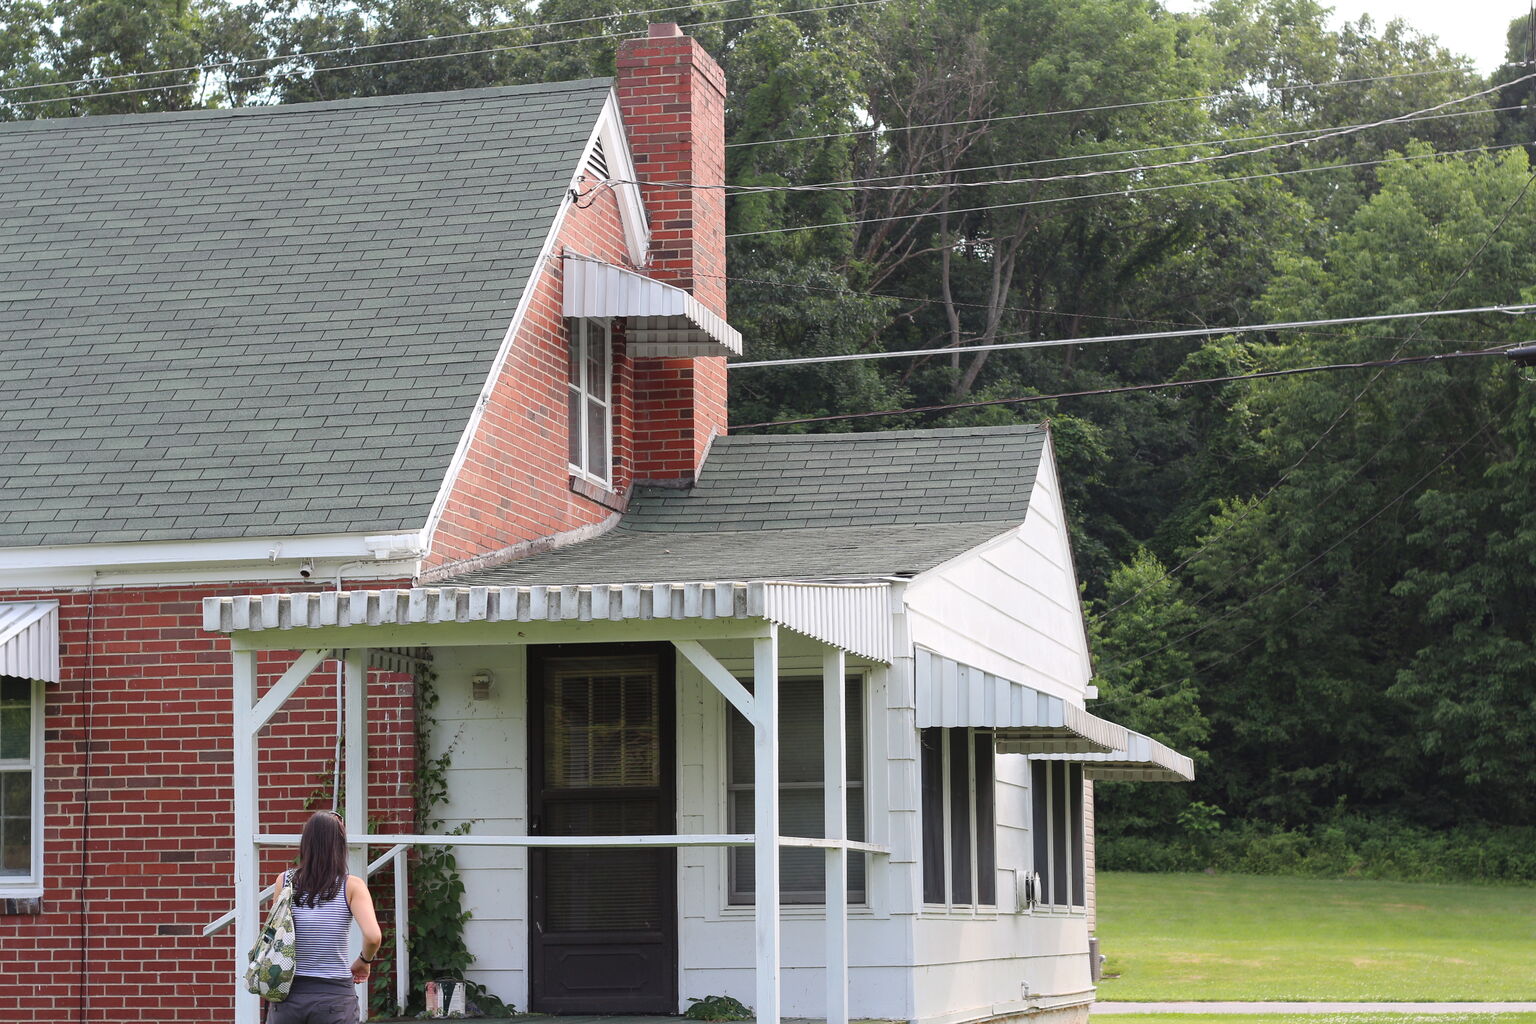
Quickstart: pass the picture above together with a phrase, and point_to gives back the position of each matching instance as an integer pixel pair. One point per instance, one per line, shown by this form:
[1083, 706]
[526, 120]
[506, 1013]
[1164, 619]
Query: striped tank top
[321, 937]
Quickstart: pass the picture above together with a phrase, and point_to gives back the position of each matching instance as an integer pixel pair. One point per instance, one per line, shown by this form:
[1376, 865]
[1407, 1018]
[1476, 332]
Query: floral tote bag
[270, 974]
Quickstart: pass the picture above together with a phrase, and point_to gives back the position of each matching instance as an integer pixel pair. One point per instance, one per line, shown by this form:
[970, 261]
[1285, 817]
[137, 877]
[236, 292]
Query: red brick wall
[139, 731]
[514, 486]
[672, 95]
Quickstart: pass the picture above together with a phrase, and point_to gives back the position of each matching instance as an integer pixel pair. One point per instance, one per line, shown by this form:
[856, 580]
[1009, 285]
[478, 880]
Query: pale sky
[1476, 28]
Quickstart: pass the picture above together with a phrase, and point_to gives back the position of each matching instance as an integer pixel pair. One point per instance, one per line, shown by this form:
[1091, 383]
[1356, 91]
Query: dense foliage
[1318, 584]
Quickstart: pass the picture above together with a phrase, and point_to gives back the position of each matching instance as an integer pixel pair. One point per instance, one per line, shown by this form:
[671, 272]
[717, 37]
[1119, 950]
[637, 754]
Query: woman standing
[325, 901]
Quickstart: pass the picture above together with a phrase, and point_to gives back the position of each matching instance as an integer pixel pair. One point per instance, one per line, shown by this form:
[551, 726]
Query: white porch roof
[662, 320]
[1025, 720]
[29, 640]
[855, 617]
[1141, 759]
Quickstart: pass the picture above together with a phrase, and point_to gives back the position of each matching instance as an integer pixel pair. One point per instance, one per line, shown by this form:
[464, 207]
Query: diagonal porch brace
[284, 688]
[719, 677]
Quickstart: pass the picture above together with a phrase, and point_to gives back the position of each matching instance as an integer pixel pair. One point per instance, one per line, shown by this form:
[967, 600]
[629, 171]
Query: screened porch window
[959, 845]
[1056, 791]
[802, 872]
[589, 399]
[21, 714]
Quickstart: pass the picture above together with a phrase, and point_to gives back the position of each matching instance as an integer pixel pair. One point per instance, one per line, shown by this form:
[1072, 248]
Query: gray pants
[316, 1001]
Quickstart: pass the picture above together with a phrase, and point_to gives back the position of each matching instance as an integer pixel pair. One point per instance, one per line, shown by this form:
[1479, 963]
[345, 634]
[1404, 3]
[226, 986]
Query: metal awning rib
[661, 320]
[1025, 720]
[853, 616]
[1140, 759]
[29, 640]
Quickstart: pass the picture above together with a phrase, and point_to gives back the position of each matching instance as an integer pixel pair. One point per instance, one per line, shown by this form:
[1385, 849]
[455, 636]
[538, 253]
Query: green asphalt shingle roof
[809, 507]
[274, 320]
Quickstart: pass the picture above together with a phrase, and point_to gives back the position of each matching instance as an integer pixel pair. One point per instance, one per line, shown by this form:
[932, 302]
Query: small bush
[717, 1008]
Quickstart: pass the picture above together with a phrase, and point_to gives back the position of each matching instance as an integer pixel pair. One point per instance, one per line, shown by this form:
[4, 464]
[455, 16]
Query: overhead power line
[931, 300]
[1197, 332]
[1466, 268]
[248, 61]
[1077, 175]
[1378, 513]
[1128, 388]
[1123, 192]
[1187, 144]
[1079, 110]
[444, 56]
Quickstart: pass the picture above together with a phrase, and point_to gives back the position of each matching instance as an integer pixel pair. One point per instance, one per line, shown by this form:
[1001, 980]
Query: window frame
[940, 837]
[746, 899]
[31, 884]
[580, 331]
[1063, 828]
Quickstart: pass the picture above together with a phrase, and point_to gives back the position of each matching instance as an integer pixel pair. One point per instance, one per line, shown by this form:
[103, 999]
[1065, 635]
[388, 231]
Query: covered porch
[707, 625]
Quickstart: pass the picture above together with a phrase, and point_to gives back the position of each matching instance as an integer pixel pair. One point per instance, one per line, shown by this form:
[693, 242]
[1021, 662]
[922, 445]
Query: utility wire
[1073, 157]
[1126, 389]
[1466, 268]
[736, 190]
[1124, 192]
[442, 56]
[846, 293]
[242, 62]
[1326, 551]
[1197, 332]
[1079, 110]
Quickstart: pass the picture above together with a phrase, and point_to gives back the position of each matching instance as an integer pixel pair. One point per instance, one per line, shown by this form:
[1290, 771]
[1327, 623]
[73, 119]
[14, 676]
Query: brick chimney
[672, 98]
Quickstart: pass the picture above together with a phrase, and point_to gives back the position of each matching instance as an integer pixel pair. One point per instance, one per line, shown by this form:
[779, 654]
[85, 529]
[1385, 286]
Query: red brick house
[299, 393]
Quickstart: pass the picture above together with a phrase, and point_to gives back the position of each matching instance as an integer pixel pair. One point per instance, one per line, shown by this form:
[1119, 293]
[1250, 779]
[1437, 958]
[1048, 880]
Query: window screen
[802, 873]
[958, 791]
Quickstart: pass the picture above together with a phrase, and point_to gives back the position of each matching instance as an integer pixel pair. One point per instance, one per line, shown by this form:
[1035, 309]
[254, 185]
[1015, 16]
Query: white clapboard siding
[1011, 607]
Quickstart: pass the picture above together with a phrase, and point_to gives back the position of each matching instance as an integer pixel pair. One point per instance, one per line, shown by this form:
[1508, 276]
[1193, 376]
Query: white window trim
[1045, 900]
[729, 904]
[582, 387]
[32, 885]
[946, 760]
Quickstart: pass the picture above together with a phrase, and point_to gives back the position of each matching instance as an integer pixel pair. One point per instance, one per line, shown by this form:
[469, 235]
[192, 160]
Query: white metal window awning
[1141, 759]
[1024, 720]
[661, 320]
[855, 617]
[29, 640]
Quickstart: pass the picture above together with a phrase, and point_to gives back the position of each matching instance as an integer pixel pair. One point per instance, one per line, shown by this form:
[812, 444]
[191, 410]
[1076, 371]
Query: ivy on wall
[437, 915]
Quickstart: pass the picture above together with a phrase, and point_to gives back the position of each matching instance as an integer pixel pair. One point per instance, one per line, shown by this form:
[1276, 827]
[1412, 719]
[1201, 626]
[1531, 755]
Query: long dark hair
[322, 869]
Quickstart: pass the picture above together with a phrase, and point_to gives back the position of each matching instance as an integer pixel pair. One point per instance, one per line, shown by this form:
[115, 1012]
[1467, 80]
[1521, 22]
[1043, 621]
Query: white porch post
[356, 808]
[835, 818]
[247, 865]
[765, 789]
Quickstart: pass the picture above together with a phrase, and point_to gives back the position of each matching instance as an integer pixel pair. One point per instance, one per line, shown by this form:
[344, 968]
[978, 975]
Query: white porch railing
[397, 854]
[252, 710]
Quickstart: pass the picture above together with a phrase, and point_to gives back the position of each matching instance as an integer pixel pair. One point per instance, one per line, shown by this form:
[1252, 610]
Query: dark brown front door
[603, 922]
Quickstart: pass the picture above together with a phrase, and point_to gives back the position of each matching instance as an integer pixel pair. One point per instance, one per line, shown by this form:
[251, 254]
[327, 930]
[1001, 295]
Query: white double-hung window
[21, 786]
[589, 399]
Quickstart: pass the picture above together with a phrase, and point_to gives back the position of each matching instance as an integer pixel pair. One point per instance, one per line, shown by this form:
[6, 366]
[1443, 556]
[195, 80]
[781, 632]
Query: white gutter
[387, 556]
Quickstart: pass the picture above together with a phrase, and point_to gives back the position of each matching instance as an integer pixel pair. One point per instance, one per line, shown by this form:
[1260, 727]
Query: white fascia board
[362, 556]
[544, 263]
[621, 166]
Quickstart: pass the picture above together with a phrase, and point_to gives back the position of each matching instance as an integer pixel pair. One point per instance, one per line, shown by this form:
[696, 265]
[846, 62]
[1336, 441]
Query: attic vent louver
[597, 162]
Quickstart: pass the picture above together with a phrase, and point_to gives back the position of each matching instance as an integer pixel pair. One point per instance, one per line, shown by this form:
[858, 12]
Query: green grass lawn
[1178, 937]
[1315, 1018]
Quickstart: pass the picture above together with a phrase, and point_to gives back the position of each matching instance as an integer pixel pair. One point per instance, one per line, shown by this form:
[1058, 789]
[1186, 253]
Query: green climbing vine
[437, 915]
